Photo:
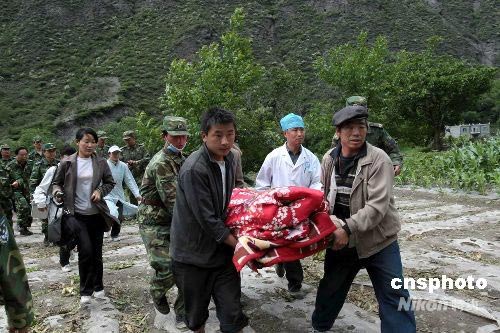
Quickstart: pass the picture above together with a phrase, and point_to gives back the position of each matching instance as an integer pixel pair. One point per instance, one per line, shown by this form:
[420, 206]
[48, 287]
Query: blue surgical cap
[291, 120]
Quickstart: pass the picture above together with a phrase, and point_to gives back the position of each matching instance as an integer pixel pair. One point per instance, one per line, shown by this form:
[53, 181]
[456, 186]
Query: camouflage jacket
[21, 174]
[5, 188]
[35, 157]
[136, 153]
[102, 151]
[379, 137]
[3, 163]
[159, 185]
[39, 170]
[15, 292]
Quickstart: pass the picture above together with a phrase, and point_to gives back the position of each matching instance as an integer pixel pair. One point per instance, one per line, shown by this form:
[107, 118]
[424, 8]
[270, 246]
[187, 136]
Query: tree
[224, 74]
[431, 90]
[358, 69]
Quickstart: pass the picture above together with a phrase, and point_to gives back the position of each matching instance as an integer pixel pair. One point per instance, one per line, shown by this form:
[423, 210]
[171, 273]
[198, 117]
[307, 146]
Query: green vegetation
[471, 166]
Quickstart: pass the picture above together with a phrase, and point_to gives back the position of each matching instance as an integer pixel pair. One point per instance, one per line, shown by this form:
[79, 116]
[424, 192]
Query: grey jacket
[198, 231]
[65, 181]
[374, 221]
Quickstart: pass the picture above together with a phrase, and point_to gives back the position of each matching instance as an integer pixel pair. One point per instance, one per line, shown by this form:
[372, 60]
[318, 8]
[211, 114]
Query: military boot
[162, 305]
[25, 232]
[46, 240]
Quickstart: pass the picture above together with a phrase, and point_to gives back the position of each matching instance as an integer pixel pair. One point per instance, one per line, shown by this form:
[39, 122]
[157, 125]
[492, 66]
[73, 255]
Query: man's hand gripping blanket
[278, 225]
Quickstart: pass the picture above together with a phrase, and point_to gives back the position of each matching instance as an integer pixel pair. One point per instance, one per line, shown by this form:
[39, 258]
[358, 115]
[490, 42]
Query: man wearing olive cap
[378, 136]
[102, 148]
[39, 170]
[135, 156]
[290, 165]
[37, 153]
[158, 190]
[358, 180]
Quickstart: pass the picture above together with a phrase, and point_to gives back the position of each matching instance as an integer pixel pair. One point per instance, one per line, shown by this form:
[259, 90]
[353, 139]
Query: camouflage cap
[102, 134]
[129, 134]
[356, 100]
[175, 125]
[37, 138]
[349, 113]
[4, 146]
[49, 146]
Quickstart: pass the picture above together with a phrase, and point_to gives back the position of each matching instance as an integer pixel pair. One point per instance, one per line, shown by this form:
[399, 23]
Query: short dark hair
[67, 150]
[216, 116]
[18, 149]
[85, 130]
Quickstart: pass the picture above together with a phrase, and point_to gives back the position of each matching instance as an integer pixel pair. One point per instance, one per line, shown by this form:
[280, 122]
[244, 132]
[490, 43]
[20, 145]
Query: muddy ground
[443, 234]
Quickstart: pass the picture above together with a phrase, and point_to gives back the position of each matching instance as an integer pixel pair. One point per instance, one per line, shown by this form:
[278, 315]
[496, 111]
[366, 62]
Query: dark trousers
[65, 252]
[198, 285]
[294, 274]
[340, 269]
[88, 231]
[116, 227]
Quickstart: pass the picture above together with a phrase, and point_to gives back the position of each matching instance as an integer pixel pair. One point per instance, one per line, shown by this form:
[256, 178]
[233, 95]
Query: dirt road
[452, 235]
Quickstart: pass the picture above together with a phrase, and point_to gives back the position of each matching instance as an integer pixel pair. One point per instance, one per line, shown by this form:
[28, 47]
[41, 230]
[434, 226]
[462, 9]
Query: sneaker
[179, 323]
[99, 294]
[46, 242]
[66, 268]
[115, 239]
[85, 300]
[25, 232]
[161, 305]
[280, 269]
[106, 234]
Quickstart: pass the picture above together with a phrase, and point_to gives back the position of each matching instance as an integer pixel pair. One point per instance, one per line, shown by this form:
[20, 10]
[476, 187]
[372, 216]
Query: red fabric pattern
[278, 225]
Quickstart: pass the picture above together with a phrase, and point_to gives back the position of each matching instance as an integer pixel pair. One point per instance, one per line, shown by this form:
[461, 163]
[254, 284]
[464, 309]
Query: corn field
[475, 166]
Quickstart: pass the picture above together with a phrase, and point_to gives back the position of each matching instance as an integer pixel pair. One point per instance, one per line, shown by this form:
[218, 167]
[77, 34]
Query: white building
[471, 130]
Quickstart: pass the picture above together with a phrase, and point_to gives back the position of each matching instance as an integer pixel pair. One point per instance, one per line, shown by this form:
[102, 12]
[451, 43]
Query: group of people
[183, 205]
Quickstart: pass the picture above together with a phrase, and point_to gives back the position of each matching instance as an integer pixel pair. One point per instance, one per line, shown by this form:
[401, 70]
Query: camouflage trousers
[156, 239]
[23, 210]
[6, 206]
[14, 292]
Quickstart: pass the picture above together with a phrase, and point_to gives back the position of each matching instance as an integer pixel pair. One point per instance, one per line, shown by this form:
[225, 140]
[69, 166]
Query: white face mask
[174, 149]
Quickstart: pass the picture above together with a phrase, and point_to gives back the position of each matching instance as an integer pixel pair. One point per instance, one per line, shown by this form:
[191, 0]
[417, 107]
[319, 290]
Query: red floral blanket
[278, 225]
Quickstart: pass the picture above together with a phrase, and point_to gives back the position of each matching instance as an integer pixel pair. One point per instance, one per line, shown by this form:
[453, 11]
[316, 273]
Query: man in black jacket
[201, 245]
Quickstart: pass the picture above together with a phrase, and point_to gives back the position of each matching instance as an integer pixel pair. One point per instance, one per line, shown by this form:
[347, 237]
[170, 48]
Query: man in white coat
[290, 165]
[117, 204]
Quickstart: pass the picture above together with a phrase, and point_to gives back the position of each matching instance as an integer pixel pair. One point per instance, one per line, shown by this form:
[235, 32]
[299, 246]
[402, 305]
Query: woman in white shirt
[81, 182]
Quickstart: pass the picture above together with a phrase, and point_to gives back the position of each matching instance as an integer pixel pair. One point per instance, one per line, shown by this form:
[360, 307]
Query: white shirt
[222, 167]
[121, 174]
[278, 170]
[83, 192]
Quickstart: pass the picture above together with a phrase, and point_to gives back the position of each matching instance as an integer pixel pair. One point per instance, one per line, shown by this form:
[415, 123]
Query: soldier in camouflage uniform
[158, 191]
[6, 193]
[378, 137]
[136, 157]
[19, 174]
[36, 154]
[39, 170]
[102, 148]
[15, 292]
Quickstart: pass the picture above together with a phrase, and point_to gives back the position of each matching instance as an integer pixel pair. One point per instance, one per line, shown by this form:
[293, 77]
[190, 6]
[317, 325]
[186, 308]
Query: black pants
[116, 227]
[88, 231]
[198, 285]
[65, 252]
[294, 274]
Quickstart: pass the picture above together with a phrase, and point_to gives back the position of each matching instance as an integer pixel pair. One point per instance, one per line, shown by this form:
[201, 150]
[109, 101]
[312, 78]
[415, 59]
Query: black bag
[54, 230]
